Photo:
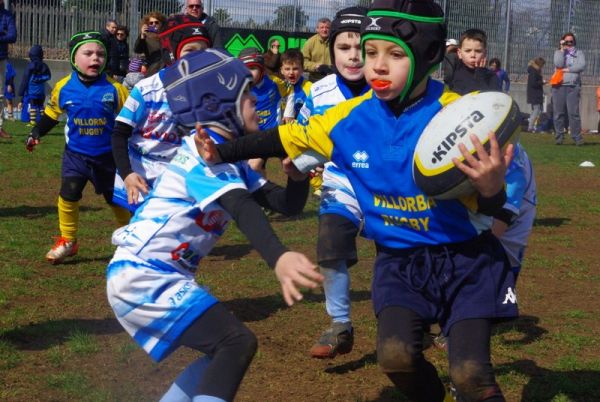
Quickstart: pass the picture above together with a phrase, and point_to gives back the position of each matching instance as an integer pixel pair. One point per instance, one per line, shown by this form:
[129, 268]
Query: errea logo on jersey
[360, 160]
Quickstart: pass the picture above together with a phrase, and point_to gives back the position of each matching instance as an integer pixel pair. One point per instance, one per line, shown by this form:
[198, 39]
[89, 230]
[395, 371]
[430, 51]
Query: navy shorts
[447, 283]
[100, 169]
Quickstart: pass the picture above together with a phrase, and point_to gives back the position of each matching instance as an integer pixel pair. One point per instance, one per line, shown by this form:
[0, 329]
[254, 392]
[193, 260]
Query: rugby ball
[474, 113]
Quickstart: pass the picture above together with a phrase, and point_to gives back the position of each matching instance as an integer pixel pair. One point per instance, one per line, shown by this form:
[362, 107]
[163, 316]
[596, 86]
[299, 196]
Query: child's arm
[291, 268]
[42, 128]
[134, 183]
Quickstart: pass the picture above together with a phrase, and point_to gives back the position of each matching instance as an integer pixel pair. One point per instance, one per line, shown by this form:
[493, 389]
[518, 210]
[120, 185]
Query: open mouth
[380, 85]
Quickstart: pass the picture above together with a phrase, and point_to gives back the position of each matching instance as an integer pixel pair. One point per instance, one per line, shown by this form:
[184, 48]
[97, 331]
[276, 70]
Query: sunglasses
[153, 22]
[121, 34]
[193, 6]
[569, 42]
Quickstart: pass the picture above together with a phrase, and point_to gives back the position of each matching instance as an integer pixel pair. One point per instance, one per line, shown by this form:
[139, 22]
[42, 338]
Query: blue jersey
[90, 111]
[268, 98]
[397, 213]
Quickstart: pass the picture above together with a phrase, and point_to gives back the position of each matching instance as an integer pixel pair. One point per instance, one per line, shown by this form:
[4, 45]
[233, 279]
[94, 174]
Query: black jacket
[465, 79]
[535, 86]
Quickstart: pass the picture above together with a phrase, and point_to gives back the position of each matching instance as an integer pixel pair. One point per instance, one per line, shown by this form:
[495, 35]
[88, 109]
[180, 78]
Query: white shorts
[154, 303]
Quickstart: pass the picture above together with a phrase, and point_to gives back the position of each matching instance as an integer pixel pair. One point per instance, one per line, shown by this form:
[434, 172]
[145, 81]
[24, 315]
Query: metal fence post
[507, 34]
[294, 15]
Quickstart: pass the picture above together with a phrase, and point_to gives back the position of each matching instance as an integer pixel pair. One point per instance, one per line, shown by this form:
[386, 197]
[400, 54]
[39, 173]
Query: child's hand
[134, 183]
[291, 170]
[9, 89]
[287, 120]
[294, 269]
[486, 171]
[206, 146]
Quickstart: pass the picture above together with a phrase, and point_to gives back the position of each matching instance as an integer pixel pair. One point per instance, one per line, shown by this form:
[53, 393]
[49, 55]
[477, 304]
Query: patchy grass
[59, 340]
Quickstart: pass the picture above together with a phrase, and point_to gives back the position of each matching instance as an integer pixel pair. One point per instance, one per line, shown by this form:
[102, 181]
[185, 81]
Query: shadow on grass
[231, 252]
[551, 222]
[260, 308]
[47, 334]
[348, 367]
[545, 384]
[29, 212]
[78, 260]
[527, 325]
[389, 394]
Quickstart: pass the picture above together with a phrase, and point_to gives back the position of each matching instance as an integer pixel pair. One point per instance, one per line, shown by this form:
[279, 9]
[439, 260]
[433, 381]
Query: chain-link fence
[518, 30]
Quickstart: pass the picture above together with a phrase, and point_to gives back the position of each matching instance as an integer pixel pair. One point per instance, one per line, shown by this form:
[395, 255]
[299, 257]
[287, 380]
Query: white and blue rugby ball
[474, 113]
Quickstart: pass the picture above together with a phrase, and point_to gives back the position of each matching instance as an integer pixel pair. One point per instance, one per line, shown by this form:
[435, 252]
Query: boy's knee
[395, 356]
[243, 343]
[71, 188]
[475, 381]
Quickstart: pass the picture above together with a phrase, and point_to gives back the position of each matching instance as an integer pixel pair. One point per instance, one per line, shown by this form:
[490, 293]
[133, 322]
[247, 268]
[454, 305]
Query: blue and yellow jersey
[90, 110]
[268, 98]
[294, 96]
[374, 148]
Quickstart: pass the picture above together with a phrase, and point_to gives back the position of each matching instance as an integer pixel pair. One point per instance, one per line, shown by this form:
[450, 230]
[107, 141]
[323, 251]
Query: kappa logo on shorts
[510, 297]
[360, 160]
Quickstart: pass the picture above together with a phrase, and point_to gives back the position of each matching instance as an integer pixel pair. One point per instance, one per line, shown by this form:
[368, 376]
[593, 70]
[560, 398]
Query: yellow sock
[123, 216]
[316, 182]
[68, 218]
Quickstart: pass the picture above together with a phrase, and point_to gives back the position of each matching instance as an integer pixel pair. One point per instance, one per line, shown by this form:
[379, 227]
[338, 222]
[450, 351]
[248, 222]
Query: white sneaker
[62, 249]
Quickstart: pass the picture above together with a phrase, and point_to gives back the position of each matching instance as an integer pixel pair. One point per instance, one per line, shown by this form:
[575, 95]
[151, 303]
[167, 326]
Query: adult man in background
[8, 34]
[317, 60]
[110, 41]
[195, 8]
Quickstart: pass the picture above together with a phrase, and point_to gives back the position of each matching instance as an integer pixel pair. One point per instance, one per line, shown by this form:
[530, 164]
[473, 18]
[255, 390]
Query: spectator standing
[535, 90]
[272, 58]
[108, 36]
[8, 34]
[195, 8]
[148, 42]
[317, 60]
[134, 74]
[450, 60]
[471, 73]
[566, 96]
[501, 75]
[9, 90]
[120, 63]
[34, 79]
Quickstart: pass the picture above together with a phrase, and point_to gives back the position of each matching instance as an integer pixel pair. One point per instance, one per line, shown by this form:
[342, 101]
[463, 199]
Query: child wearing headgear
[91, 100]
[437, 260]
[145, 137]
[339, 215]
[34, 79]
[151, 285]
[134, 73]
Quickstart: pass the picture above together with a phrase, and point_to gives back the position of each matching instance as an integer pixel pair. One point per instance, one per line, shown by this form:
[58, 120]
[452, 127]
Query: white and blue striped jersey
[150, 280]
[337, 195]
[155, 136]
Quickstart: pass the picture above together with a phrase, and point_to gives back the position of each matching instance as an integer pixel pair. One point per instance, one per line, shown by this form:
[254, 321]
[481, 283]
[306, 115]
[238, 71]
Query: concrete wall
[589, 110]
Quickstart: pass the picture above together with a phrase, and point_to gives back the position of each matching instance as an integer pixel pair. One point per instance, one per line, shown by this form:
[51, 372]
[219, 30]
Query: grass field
[59, 340]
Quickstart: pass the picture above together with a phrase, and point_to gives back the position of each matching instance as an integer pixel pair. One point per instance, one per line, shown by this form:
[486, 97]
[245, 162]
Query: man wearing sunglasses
[195, 8]
[566, 96]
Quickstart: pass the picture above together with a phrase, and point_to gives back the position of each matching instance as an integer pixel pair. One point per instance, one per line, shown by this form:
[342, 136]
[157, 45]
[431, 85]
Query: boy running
[91, 100]
[151, 285]
[437, 260]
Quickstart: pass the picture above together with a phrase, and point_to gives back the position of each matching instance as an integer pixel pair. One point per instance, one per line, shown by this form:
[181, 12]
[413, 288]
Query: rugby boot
[337, 339]
[62, 249]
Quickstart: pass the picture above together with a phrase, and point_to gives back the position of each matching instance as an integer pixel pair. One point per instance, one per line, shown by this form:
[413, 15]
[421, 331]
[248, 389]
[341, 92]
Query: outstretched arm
[292, 269]
[265, 144]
